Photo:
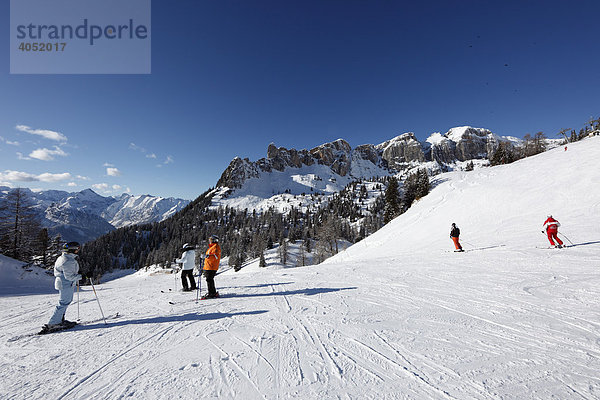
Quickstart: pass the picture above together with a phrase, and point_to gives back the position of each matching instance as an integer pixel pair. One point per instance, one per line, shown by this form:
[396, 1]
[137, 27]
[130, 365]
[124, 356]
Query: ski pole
[78, 301]
[175, 271]
[563, 235]
[98, 300]
[198, 286]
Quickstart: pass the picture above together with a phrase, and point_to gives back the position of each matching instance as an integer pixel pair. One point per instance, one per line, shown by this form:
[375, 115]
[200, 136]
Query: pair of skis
[198, 288]
[66, 325]
[63, 327]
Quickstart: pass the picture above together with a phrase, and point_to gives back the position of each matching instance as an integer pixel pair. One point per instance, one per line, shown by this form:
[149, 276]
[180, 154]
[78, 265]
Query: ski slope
[396, 316]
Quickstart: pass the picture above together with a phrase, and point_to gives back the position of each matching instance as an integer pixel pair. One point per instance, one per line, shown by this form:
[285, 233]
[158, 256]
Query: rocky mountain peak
[394, 155]
[401, 150]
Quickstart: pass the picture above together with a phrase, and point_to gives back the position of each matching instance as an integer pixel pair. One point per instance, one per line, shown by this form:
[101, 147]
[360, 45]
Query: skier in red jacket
[551, 226]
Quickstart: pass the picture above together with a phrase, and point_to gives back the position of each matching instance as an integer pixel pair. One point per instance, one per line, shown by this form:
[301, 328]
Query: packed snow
[395, 316]
[18, 278]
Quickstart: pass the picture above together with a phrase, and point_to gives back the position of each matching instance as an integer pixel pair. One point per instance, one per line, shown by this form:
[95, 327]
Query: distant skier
[454, 234]
[211, 265]
[66, 271]
[188, 261]
[551, 227]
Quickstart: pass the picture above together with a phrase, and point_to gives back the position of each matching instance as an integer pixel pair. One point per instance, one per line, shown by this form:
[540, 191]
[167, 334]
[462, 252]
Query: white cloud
[108, 165]
[151, 155]
[13, 143]
[71, 184]
[107, 188]
[52, 135]
[113, 172]
[19, 176]
[135, 147]
[22, 157]
[169, 160]
[100, 186]
[127, 189]
[83, 178]
[48, 177]
[46, 154]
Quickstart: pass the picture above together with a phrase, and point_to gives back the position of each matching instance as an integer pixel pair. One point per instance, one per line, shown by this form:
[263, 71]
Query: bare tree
[283, 250]
[19, 226]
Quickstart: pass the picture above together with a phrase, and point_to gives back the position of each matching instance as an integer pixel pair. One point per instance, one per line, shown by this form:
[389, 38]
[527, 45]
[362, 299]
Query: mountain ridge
[86, 215]
[331, 166]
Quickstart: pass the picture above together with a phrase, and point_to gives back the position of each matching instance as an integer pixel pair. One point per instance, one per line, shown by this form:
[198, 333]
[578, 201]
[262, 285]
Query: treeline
[21, 235]
[532, 145]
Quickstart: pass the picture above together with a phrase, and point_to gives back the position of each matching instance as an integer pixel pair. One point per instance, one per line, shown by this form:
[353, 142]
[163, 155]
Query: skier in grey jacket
[188, 261]
[66, 271]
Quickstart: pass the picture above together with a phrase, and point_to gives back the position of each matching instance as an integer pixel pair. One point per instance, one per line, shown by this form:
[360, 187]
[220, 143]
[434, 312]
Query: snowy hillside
[18, 280]
[396, 316]
[504, 205]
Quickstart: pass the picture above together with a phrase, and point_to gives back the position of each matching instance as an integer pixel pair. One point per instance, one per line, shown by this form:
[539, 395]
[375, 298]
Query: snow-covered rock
[129, 210]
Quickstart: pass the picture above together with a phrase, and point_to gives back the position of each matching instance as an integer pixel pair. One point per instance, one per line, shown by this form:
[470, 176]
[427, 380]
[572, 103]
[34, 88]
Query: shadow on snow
[167, 319]
[307, 292]
[584, 244]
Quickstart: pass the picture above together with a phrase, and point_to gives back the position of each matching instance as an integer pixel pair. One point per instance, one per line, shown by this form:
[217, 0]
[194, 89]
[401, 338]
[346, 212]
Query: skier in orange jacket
[551, 227]
[211, 265]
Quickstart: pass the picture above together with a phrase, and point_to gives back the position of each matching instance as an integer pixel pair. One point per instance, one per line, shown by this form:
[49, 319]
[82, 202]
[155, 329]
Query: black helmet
[214, 238]
[71, 247]
[453, 224]
[188, 246]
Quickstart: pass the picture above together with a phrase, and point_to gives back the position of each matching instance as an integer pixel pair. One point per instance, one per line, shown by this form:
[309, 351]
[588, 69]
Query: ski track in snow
[393, 317]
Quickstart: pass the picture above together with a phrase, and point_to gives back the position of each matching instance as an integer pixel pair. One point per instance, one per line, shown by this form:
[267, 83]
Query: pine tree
[410, 191]
[422, 184]
[392, 200]
[43, 246]
[503, 154]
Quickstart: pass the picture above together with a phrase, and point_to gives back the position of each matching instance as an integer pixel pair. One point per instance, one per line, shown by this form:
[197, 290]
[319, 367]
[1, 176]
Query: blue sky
[229, 77]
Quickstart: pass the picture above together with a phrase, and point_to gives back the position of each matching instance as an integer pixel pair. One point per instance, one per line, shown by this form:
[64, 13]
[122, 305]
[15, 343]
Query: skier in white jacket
[66, 271]
[188, 261]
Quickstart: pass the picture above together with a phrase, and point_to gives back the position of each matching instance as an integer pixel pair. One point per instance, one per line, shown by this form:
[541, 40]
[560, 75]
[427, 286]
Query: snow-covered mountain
[85, 215]
[278, 180]
[397, 315]
[129, 210]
